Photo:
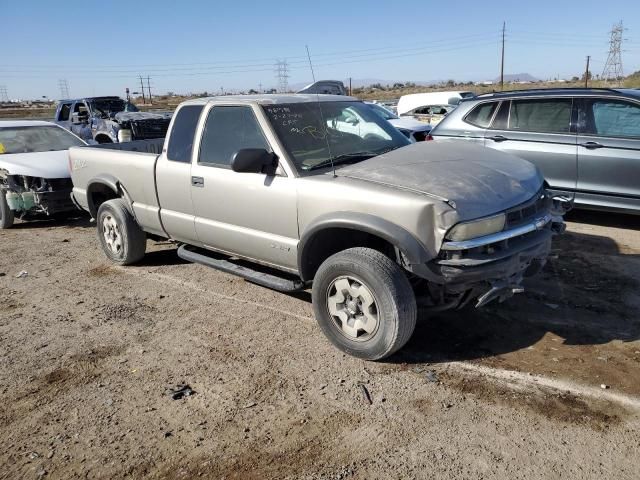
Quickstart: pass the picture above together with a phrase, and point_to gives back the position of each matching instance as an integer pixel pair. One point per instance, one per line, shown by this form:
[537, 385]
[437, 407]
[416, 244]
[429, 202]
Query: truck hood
[476, 181]
[128, 116]
[39, 164]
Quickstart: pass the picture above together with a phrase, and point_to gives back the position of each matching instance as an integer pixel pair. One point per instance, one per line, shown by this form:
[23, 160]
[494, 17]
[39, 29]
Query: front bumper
[55, 202]
[493, 266]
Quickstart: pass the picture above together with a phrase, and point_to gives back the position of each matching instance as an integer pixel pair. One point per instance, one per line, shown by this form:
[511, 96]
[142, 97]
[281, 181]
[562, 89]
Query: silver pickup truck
[271, 188]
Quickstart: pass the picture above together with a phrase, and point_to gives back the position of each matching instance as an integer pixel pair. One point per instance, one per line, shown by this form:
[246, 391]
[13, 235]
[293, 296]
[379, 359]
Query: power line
[64, 88]
[613, 66]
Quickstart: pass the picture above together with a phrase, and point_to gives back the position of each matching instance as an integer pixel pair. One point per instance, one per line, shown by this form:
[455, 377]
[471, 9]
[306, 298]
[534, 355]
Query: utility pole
[504, 26]
[149, 89]
[613, 66]
[349, 86]
[260, 87]
[4, 97]
[586, 73]
[142, 89]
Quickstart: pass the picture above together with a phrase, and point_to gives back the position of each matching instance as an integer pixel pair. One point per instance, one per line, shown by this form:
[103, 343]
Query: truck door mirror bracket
[254, 160]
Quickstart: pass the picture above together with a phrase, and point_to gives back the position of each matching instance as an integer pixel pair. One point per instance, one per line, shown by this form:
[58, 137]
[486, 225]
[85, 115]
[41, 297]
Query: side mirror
[78, 118]
[254, 160]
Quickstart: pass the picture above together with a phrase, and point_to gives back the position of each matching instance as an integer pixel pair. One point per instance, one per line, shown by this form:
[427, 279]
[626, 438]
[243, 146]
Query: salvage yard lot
[90, 352]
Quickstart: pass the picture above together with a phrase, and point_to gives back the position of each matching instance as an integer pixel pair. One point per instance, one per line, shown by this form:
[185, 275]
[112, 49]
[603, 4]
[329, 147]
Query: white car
[34, 169]
[411, 128]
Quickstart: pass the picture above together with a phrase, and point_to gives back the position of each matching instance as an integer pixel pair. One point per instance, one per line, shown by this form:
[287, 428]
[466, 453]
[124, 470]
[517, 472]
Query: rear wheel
[6, 214]
[364, 303]
[122, 239]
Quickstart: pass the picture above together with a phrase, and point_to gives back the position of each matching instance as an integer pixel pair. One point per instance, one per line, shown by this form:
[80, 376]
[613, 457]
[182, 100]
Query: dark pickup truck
[110, 120]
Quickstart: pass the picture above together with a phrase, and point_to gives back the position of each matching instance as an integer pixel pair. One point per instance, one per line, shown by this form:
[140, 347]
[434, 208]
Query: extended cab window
[613, 118]
[65, 109]
[481, 115]
[183, 133]
[542, 115]
[229, 129]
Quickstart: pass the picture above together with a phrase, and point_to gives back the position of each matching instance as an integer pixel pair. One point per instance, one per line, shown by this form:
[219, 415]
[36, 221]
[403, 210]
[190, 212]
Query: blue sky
[195, 45]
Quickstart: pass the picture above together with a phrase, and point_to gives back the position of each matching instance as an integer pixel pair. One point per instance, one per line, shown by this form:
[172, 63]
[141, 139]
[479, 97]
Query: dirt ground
[90, 353]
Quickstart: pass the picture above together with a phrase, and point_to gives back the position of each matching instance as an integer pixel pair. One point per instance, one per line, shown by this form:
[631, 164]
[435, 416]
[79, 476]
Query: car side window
[80, 107]
[183, 133]
[613, 118]
[540, 115]
[229, 129]
[482, 114]
[65, 109]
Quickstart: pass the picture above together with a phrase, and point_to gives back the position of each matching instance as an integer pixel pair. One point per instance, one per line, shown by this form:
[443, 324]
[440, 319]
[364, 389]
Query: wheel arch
[326, 236]
[103, 188]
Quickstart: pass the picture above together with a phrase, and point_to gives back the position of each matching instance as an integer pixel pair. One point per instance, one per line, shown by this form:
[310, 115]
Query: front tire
[6, 214]
[122, 239]
[364, 303]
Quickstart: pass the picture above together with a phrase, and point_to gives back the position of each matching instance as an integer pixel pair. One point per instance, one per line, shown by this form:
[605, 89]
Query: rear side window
[613, 118]
[229, 129]
[481, 115]
[543, 115]
[183, 133]
[65, 109]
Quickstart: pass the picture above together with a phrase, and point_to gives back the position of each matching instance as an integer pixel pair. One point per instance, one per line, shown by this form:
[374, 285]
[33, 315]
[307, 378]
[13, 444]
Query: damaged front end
[492, 266]
[26, 195]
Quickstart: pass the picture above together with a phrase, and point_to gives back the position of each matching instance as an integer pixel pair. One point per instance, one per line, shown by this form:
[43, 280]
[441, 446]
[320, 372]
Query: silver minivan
[586, 142]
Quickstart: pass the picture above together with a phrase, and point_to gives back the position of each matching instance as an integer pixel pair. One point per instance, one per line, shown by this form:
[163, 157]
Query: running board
[260, 278]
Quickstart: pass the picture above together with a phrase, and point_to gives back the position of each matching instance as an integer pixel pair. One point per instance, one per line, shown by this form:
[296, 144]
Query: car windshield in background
[36, 139]
[383, 112]
[317, 134]
[115, 105]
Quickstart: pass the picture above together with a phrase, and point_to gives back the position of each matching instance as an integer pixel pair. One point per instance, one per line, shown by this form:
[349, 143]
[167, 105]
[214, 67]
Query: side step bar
[260, 278]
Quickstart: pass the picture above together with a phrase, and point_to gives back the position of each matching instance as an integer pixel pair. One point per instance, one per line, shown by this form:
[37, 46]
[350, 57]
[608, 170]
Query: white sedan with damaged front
[34, 172]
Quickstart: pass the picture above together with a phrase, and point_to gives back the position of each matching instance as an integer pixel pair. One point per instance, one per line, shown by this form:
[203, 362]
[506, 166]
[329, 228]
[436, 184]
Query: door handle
[197, 181]
[591, 145]
[498, 138]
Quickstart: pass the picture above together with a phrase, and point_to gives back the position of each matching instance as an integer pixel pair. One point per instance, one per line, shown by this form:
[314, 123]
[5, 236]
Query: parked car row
[586, 142]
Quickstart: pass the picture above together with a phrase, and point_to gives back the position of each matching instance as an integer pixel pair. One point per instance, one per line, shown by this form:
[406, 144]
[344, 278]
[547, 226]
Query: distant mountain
[518, 77]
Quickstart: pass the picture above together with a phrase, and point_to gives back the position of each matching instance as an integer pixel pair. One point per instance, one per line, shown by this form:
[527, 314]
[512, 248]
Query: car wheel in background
[6, 214]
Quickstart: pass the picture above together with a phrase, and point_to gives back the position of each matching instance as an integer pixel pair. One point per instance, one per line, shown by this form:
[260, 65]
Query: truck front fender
[412, 250]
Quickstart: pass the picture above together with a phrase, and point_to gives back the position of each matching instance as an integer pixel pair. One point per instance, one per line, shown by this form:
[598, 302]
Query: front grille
[150, 128]
[531, 209]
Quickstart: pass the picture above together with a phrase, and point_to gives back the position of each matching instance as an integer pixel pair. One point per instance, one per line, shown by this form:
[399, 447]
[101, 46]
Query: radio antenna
[324, 125]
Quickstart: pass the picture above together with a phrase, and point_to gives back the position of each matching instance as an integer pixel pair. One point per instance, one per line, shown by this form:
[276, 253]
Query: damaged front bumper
[26, 195]
[491, 267]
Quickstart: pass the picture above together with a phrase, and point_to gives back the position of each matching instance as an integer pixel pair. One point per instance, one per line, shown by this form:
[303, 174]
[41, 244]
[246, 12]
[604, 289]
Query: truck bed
[128, 167]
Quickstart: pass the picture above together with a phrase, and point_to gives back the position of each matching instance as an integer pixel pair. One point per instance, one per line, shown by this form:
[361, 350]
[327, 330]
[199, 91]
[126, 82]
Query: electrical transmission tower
[64, 88]
[4, 96]
[282, 74]
[613, 66]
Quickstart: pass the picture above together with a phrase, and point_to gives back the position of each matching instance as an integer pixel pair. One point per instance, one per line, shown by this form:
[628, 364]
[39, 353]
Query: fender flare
[412, 249]
[113, 184]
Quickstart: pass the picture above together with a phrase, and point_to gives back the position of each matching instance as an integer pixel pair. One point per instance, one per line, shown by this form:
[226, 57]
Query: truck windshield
[36, 139]
[106, 106]
[315, 134]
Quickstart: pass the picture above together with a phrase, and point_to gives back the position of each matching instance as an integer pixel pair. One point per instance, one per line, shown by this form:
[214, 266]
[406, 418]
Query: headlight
[124, 135]
[477, 228]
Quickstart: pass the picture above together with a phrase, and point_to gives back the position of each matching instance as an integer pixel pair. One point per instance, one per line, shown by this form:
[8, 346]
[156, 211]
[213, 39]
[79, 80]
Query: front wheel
[6, 214]
[364, 303]
[122, 239]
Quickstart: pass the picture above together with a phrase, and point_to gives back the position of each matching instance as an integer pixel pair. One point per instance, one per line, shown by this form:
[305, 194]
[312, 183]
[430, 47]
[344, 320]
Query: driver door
[251, 215]
[81, 129]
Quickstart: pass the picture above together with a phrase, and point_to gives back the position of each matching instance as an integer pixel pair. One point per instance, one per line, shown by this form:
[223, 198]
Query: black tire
[395, 302]
[123, 241]
[6, 214]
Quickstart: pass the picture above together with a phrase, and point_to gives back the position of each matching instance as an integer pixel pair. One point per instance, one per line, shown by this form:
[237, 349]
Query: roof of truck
[272, 99]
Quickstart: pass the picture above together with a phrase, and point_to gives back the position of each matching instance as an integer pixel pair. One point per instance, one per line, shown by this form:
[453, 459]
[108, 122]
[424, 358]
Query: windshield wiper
[344, 158]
